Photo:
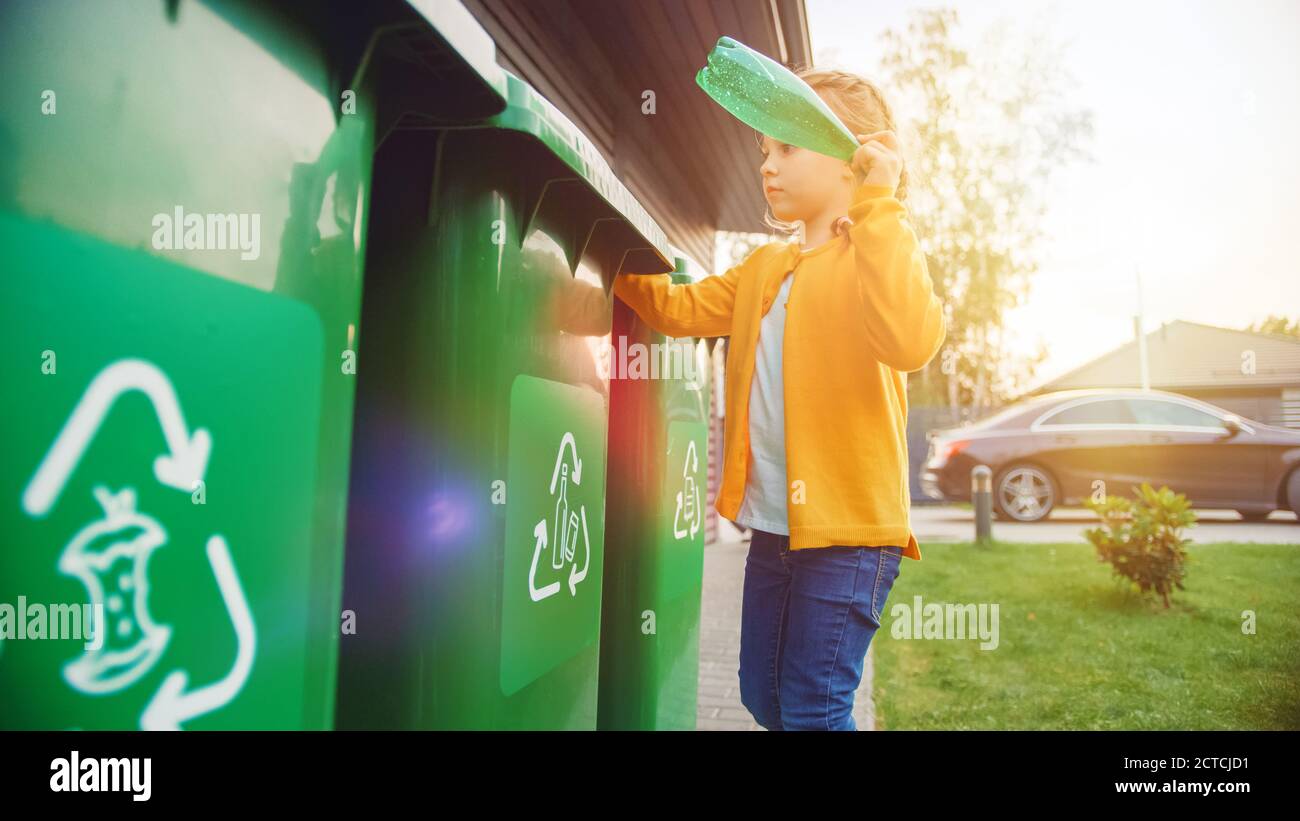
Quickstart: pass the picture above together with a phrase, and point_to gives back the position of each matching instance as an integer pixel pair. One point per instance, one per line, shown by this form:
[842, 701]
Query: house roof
[1184, 355]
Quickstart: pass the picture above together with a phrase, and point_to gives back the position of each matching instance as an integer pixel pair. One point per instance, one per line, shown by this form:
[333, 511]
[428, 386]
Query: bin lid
[440, 40]
[529, 112]
[467, 40]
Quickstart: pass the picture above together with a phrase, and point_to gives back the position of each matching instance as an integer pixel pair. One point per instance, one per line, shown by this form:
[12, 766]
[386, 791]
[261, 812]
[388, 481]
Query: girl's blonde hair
[859, 104]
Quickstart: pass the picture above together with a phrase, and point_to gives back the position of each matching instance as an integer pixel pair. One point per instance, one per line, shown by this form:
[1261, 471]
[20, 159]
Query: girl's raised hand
[878, 159]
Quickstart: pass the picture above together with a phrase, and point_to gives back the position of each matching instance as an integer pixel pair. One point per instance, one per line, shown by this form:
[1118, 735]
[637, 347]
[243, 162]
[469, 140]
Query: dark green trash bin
[184, 190]
[476, 521]
[654, 559]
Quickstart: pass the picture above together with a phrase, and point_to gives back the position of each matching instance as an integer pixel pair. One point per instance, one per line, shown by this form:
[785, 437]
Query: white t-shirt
[766, 495]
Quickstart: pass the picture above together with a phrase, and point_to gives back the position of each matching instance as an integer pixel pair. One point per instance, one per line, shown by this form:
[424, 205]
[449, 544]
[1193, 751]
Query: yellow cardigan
[862, 313]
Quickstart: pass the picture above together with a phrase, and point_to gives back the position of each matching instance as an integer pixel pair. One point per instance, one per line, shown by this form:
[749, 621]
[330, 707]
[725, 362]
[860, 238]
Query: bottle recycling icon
[686, 521]
[562, 536]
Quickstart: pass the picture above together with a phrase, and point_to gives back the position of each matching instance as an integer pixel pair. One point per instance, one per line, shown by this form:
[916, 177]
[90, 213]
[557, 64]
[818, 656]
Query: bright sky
[1196, 180]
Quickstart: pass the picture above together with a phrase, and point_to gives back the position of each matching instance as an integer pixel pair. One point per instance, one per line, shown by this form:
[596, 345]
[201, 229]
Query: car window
[997, 417]
[1102, 412]
[1160, 412]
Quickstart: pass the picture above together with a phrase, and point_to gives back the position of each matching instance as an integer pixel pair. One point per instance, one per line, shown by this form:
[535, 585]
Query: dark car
[1053, 450]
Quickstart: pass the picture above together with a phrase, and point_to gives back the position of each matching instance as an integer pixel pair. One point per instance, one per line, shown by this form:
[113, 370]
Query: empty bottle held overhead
[767, 96]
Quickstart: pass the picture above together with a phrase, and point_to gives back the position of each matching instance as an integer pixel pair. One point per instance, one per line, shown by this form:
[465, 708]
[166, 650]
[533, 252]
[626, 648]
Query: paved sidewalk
[719, 691]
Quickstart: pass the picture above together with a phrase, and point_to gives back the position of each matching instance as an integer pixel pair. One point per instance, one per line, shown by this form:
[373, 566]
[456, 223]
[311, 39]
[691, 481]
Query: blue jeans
[806, 621]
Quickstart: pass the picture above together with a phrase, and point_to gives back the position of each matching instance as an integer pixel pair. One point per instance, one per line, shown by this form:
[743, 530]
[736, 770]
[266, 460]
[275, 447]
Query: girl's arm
[903, 315]
[697, 309]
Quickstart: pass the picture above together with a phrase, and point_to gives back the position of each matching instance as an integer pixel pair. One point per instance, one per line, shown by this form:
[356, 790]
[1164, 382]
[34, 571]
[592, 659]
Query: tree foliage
[984, 127]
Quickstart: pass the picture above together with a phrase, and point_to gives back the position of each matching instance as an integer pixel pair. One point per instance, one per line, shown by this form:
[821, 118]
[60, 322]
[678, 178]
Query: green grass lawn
[1079, 648]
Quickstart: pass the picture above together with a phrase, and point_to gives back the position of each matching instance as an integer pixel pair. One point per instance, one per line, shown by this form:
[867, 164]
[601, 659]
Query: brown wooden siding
[692, 165]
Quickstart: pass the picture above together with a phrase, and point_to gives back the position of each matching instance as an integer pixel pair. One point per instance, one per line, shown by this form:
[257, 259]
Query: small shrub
[1142, 540]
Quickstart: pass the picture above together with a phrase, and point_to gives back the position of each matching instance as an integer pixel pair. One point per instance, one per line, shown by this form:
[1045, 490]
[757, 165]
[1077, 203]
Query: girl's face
[801, 184]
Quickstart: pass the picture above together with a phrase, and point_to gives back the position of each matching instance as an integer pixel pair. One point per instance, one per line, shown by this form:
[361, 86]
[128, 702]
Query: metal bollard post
[981, 494]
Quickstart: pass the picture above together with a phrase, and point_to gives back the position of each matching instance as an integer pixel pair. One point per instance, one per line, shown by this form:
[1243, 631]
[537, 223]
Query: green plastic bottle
[767, 96]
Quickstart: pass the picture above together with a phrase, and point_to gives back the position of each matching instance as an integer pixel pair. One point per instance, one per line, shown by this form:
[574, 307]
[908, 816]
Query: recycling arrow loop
[171, 705]
[181, 467]
[571, 442]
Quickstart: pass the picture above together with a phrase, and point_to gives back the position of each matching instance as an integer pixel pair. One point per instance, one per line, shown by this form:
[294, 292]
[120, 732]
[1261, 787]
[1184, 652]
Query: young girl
[823, 332]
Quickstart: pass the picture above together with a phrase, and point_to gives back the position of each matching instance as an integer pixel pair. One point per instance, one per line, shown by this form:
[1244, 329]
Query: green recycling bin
[654, 528]
[184, 190]
[476, 513]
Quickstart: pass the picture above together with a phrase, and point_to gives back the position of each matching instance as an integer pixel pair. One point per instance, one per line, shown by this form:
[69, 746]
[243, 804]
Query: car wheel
[1024, 493]
[1254, 515]
[1293, 491]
